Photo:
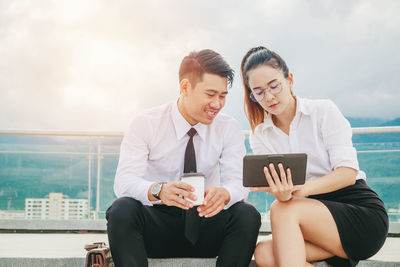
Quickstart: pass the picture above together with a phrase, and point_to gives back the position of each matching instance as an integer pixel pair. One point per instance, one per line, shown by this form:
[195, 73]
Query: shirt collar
[268, 123]
[182, 126]
[300, 108]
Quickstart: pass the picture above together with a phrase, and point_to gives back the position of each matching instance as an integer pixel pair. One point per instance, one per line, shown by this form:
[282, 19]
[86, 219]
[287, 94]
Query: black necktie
[192, 219]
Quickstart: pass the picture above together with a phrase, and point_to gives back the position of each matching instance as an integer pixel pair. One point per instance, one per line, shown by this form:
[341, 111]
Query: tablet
[253, 168]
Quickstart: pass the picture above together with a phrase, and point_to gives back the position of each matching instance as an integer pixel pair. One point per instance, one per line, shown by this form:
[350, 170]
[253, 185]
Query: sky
[93, 65]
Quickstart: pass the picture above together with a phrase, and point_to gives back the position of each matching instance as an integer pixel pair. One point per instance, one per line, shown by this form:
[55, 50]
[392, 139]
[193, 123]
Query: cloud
[92, 65]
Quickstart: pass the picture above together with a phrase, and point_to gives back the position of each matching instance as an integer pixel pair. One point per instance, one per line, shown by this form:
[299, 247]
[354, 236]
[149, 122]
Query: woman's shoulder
[318, 106]
[325, 112]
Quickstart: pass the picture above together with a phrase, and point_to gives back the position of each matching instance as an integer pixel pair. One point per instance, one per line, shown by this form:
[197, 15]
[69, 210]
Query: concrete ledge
[36, 262]
[175, 262]
[53, 225]
[101, 225]
[66, 249]
[394, 228]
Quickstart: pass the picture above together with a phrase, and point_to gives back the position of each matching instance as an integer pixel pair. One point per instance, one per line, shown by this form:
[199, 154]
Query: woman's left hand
[300, 191]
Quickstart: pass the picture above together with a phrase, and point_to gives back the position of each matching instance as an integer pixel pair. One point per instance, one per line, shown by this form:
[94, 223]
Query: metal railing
[366, 130]
[99, 154]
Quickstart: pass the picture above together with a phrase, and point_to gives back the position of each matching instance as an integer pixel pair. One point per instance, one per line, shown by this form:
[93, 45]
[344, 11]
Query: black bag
[98, 255]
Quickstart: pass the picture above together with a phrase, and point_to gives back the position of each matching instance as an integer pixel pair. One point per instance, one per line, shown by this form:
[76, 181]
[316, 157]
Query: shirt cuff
[143, 197]
[236, 194]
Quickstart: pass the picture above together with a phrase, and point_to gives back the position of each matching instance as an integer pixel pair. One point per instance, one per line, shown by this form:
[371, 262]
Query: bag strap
[94, 245]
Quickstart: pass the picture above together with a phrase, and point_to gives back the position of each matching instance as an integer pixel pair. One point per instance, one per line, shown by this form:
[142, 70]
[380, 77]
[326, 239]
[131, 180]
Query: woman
[334, 214]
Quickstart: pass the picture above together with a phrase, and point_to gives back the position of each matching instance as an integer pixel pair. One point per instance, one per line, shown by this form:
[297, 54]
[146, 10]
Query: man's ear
[290, 78]
[184, 86]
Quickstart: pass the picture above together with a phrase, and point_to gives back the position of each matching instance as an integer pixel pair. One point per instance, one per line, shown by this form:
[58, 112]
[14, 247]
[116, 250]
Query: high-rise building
[56, 206]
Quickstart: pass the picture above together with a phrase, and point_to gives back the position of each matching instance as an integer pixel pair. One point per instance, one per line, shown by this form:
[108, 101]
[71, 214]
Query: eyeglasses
[258, 94]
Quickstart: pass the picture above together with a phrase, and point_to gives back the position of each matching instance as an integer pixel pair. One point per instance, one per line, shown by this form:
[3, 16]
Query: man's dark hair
[197, 63]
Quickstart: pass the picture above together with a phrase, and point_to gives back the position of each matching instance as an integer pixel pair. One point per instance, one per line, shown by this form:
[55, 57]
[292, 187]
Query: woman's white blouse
[318, 129]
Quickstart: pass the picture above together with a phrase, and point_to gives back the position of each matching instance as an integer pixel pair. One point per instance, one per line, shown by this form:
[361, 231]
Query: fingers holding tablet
[268, 177]
[279, 185]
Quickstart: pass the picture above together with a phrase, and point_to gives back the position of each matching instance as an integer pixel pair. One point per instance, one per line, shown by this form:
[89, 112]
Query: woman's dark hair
[255, 57]
[197, 63]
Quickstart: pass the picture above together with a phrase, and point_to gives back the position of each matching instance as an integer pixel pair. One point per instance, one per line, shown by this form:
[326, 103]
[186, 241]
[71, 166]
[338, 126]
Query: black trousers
[136, 232]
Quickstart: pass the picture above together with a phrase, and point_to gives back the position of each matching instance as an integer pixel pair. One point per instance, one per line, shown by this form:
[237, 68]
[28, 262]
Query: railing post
[99, 158]
[89, 176]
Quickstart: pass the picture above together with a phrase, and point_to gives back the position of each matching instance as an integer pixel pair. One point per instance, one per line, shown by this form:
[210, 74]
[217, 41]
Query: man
[153, 216]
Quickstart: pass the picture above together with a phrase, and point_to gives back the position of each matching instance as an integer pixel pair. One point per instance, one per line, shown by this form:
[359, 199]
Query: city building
[12, 214]
[56, 206]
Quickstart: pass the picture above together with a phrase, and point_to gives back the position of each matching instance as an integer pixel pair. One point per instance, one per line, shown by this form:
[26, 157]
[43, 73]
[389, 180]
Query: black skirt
[361, 219]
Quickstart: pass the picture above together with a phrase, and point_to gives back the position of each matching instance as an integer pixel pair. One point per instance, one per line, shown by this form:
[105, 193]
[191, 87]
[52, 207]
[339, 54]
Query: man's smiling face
[202, 102]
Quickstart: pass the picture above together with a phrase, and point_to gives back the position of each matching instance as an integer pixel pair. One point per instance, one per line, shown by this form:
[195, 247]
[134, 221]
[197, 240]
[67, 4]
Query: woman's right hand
[282, 188]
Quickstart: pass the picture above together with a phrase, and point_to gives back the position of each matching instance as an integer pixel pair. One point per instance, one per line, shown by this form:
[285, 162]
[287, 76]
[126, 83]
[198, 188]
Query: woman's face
[271, 89]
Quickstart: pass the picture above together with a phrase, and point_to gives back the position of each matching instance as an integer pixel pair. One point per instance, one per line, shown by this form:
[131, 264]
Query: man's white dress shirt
[318, 129]
[153, 150]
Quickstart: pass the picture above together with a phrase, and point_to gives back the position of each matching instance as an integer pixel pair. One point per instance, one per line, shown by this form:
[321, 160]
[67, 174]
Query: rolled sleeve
[337, 134]
[231, 164]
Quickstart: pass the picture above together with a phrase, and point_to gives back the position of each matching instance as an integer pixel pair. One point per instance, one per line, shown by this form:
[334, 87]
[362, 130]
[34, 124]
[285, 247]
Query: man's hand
[215, 200]
[171, 194]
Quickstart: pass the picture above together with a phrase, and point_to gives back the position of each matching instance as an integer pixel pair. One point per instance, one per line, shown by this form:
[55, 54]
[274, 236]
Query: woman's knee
[264, 255]
[283, 210]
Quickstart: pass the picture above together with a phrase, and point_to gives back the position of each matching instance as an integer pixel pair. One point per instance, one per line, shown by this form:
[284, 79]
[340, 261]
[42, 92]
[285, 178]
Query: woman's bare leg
[264, 255]
[300, 220]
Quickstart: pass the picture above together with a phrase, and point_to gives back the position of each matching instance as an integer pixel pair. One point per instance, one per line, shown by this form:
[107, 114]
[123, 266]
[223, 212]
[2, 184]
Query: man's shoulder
[154, 113]
[148, 120]
[223, 120]
[225, 124]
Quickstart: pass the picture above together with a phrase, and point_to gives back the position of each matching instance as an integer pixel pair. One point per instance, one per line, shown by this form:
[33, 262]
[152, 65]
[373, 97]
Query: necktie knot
[192, 132]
